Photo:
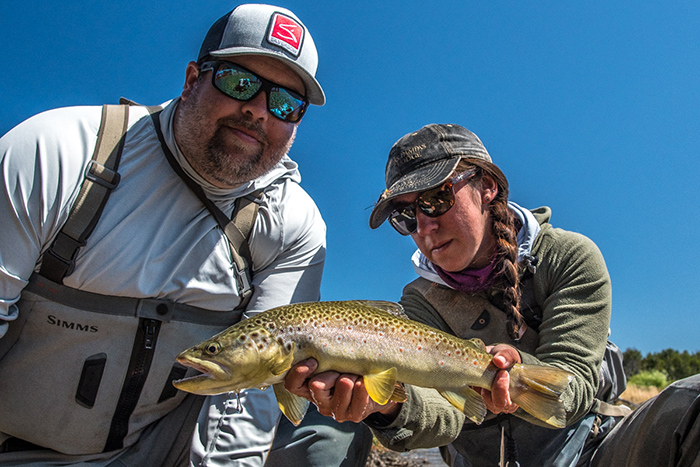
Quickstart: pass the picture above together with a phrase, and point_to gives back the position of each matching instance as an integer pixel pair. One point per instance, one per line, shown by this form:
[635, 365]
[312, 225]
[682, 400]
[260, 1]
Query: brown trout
[369, 338]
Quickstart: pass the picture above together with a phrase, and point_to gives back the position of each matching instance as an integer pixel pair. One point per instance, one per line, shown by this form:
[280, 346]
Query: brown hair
[506, 291]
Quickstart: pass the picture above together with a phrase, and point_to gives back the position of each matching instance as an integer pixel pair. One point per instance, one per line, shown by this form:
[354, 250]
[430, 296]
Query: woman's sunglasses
[243, 85]
[433, 203]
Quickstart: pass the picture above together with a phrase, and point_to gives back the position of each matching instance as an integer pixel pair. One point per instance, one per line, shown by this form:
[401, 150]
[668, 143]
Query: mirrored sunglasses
[243, 85]
[433, 203]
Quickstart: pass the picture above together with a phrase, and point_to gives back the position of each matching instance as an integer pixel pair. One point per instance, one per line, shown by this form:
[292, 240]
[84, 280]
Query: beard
[231, 163]
[218, 158]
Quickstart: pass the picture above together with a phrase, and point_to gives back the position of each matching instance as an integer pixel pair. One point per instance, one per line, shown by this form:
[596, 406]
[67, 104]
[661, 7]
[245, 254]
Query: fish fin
[380, 386]
[469, 402]
[283, 363]
[478, 343]
[390, 307]
[292, 406]
[537, 388]
[399, 394]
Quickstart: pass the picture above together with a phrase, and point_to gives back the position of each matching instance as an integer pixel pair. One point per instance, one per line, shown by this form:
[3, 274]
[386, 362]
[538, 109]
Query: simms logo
[52, 320]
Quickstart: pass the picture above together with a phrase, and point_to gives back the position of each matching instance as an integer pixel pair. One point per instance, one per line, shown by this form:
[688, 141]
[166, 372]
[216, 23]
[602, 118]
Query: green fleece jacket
[570, 289]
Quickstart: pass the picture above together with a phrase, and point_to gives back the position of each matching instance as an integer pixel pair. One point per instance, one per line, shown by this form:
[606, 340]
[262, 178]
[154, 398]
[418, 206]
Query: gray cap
[423, 160]
[255, 29]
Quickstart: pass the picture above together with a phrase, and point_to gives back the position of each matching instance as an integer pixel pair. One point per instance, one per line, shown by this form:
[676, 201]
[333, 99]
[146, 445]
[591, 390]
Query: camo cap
[423, 160]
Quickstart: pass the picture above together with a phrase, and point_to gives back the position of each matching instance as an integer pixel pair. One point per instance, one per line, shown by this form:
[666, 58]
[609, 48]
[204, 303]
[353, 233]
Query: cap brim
[314, 92]
[421, 179]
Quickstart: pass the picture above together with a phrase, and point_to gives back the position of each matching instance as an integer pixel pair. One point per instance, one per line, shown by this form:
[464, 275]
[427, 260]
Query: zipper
[137, 372]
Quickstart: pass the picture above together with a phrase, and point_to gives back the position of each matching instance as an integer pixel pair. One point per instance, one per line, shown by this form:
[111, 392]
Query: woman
[493, 270]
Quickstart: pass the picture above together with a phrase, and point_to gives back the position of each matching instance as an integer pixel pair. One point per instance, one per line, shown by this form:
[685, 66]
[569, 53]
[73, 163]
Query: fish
[370, 338]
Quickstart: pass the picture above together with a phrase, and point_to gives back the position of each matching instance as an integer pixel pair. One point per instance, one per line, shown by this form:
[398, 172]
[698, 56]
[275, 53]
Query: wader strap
[237, 229]
[101, 177]
[149, 308]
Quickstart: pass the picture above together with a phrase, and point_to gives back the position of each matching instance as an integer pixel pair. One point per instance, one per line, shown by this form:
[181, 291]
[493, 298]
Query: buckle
[242, 280]
[102, 175]
[56, 268]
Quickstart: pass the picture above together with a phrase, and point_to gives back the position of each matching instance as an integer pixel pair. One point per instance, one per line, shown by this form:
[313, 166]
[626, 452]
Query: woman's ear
[489, 189]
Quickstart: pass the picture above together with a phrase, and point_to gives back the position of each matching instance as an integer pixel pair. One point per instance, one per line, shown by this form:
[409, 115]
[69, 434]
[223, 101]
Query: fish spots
[339, 338]
[350, 328]
[288, 346]
[441, 362]
[271, 326]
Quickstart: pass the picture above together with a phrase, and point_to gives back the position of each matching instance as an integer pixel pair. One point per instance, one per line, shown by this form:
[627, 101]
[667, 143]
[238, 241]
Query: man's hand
[498, 398]
[341, 396]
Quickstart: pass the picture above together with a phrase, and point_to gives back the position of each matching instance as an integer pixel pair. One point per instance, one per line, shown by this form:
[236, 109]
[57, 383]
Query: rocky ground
[380, 457]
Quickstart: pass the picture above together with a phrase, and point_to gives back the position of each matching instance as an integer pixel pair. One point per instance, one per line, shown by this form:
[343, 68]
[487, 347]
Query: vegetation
[661, 368]
[654, 378]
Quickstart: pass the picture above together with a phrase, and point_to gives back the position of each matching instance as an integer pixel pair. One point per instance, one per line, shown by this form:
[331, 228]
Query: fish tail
[536, 389]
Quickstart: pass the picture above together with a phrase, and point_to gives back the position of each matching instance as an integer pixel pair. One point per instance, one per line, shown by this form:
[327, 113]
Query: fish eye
[213, 348]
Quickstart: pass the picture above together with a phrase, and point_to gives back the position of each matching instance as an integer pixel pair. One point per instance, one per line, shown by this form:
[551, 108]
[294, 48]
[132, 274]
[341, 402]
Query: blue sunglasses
[243, 85]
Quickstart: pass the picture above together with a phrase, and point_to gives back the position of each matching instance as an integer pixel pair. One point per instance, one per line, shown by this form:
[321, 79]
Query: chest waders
[95, 387]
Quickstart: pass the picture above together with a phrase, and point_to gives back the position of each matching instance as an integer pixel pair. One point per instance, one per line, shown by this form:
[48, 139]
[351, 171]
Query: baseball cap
[256, 29]
[423, 160]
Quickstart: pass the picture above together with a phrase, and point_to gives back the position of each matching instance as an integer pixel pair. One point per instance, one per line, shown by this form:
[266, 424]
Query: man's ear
[191, 77]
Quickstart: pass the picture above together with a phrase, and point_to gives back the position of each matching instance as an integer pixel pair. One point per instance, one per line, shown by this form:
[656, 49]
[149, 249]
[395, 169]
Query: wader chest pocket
[90, 380]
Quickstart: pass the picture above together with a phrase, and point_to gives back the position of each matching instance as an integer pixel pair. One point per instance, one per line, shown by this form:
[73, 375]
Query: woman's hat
[423, 160]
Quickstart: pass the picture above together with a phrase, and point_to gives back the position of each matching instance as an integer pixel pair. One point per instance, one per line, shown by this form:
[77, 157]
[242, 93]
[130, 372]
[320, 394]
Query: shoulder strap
[101, 177]
[237, 229]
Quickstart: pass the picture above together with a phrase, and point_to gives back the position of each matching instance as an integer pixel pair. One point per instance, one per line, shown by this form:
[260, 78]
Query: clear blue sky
[591, 108]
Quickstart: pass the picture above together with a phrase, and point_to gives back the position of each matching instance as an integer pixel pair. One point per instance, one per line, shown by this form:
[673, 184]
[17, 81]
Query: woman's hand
[341, 396]
[498, 398]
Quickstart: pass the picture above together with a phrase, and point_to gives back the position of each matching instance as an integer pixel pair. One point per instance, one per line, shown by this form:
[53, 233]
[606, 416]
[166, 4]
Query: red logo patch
[286, 33]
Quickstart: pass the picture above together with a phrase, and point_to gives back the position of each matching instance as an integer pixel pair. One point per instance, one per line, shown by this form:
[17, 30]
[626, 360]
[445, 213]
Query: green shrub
[654, 378]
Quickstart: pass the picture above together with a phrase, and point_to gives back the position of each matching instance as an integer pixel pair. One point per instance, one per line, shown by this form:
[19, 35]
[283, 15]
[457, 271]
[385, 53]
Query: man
[87, 359]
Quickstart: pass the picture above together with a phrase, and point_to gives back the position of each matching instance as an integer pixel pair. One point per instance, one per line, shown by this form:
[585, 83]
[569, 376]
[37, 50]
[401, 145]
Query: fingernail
[311, 363]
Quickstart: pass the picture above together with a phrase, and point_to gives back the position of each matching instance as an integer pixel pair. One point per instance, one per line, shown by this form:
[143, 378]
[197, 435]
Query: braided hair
[505, 293]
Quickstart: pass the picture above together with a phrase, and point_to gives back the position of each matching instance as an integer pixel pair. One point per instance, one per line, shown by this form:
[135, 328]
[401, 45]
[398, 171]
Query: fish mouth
[211, 379]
